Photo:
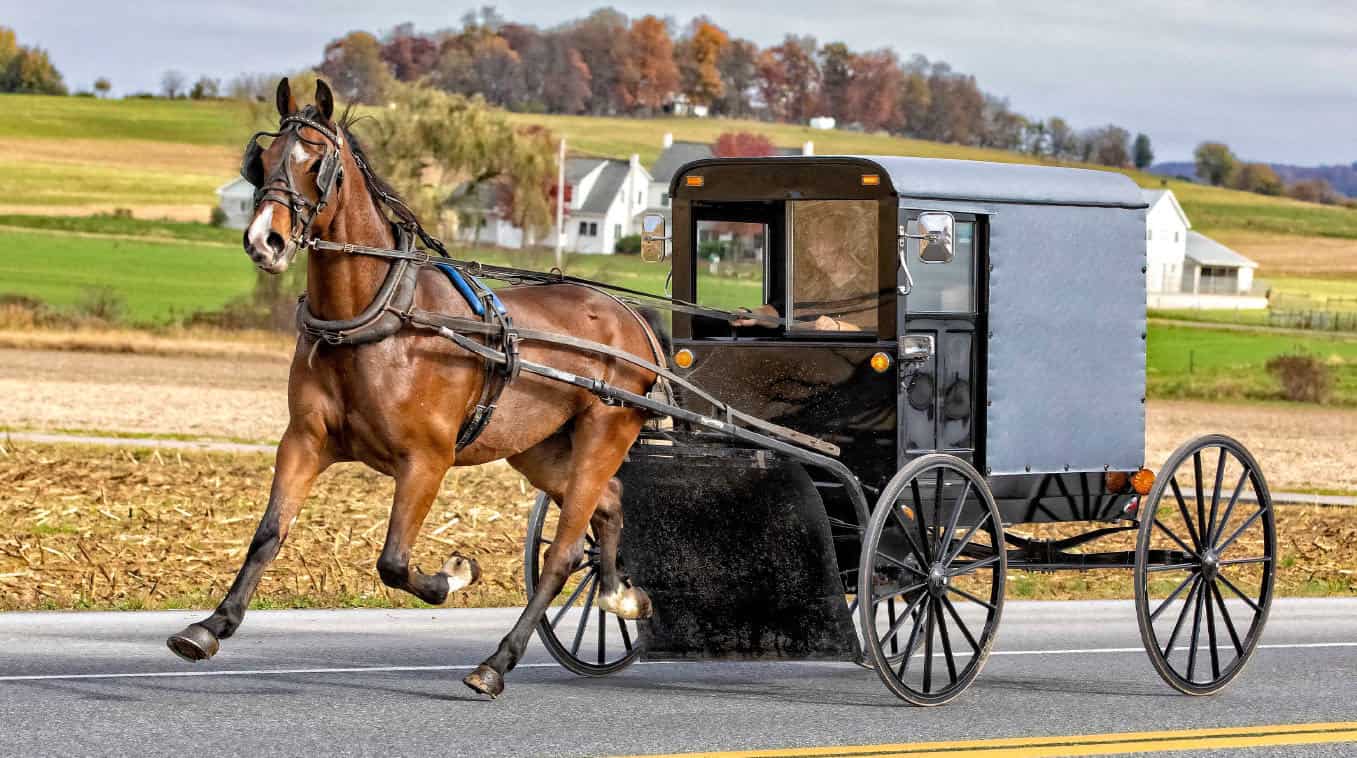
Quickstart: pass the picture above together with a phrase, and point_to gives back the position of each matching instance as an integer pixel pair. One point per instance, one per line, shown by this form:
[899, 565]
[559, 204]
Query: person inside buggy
[830, 266]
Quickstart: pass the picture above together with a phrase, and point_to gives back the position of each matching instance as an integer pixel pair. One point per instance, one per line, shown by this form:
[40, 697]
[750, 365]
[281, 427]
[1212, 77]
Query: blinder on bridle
[281, 185]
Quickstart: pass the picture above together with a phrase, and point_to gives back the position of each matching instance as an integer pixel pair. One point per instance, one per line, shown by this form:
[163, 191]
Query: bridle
[280, 186]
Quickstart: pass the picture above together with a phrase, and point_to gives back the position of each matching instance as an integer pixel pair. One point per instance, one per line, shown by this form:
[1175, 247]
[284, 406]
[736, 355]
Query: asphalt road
[388, 682]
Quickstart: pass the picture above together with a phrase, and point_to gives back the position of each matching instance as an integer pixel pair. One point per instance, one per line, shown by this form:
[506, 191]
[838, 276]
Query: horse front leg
[600, 442]
[417, 484]
[302, 455]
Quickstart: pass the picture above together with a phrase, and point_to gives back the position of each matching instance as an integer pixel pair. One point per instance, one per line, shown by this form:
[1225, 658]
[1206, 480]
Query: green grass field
[1213, 365]
[160, 281]
[222, 123]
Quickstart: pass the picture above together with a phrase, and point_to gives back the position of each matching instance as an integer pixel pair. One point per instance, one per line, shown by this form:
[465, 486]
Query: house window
[640, 198]
[617, 231]
[588, 229]
[1175, 236]
[664, 199]
[1149, 234]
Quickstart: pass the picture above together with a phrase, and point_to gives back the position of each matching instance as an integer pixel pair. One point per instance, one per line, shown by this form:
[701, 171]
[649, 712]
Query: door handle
[916, 347]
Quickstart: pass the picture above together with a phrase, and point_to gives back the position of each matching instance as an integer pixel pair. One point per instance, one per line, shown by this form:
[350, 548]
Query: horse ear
[325, 99]
[287, 105]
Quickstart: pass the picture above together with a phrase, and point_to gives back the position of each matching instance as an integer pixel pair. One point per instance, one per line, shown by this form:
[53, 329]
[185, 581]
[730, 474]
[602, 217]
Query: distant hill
[1343, 178]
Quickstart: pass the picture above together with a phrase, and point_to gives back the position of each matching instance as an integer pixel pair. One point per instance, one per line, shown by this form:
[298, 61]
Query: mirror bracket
[653, 238]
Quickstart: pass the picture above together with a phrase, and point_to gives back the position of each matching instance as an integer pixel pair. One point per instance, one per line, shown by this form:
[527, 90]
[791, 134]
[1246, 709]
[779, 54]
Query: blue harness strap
[459, 281]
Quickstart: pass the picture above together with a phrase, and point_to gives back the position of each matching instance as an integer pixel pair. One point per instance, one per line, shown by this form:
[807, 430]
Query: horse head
[298, 174]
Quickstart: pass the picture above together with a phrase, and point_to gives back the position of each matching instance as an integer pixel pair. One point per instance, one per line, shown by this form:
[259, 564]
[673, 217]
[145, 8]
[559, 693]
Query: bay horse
[398, 404]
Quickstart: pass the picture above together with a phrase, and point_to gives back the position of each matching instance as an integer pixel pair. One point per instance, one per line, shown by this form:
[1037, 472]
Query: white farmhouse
[605, 199]
[236, 200]
[1186, 269]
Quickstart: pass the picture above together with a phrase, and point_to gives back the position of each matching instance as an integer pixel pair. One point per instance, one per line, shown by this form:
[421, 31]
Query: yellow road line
[1079, 744]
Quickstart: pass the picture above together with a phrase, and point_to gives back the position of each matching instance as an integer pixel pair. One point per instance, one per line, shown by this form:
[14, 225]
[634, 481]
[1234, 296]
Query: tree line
[27, 69]
[609, 64]
[1216, 164]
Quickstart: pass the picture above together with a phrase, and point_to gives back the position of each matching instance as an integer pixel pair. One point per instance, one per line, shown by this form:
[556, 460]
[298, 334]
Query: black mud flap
[737, 556]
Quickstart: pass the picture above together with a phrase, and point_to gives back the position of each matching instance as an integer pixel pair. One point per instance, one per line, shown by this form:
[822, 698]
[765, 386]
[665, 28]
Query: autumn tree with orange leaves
[654, 77]
[699, 57]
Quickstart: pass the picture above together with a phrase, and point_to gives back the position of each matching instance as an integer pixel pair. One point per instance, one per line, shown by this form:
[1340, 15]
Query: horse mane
[378, 188]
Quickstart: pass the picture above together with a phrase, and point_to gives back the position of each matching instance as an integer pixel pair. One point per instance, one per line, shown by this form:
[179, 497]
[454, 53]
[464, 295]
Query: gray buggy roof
[983, 181]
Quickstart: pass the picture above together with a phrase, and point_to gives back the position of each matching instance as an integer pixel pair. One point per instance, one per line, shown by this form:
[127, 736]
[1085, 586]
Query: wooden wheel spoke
[1211, 634]
[945, 538]
[1175, 538]
[928, 650]
[1235, 534]
[1171, 567]
[971, 597]
[913, 640]
[961, 625]
[919, 522]
[1242, 561]
[626, 635]
[1215, 499]
[602, 636]
[897, 562]
[1229, 507]
[946, 643]
[937, 512]
[1225, 616]
[570, 603]
[970, 567]
[1201, 502]
[1182, 509]
[1231, 586]
[584, 619]
[1182, 616]
[899, 623]
[966, 539]
[1171, 596]
[876, 600]
[1196, 635]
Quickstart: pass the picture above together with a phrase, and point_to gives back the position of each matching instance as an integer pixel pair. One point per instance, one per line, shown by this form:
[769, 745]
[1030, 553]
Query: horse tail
[659, 326]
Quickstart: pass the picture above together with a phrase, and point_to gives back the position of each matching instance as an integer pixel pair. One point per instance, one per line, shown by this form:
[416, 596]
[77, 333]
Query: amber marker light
[1142, 481]
[694, 181]
[871, 180]
[683, 358]
[1115, 481]
[880, 363]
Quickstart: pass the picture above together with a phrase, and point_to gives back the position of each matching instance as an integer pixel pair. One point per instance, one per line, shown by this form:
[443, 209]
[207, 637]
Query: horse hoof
[486, 681]
[461, 572]
[631, 603]
[193, 644]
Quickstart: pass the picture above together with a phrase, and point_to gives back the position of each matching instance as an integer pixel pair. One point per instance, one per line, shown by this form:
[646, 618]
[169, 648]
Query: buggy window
[730, 262]
[833, 277]
[943, 287]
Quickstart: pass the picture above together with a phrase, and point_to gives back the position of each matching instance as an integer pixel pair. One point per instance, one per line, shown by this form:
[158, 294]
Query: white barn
[236, 200]
[1186, 269]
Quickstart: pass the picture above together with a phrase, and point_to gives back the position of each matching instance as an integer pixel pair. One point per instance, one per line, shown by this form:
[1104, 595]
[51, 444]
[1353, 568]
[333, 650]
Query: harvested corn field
[118, 528]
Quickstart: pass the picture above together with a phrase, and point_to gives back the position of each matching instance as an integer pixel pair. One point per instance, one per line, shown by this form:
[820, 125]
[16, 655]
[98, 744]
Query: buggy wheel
[1205, 564]
[931, 579]
[581, 636]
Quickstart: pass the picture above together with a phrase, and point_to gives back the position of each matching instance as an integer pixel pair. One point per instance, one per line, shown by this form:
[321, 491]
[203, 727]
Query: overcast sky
[1277, 81]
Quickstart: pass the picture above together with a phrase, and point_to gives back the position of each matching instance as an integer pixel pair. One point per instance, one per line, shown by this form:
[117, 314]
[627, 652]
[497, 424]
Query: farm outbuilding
[236, 200]
[1187, 269]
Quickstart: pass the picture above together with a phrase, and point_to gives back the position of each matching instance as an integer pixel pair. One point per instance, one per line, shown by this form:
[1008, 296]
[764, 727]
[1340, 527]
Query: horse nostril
[275, 242]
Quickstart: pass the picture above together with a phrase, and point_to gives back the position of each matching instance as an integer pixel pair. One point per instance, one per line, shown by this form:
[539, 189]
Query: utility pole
[560, 204]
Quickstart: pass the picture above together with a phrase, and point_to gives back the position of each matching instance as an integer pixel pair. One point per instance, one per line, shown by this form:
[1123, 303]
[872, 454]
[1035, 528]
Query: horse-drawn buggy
[876, 369]
[964, 343]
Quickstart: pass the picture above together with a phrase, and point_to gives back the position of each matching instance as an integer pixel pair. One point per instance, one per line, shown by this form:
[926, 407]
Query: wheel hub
[1210, 564]
[937, 579]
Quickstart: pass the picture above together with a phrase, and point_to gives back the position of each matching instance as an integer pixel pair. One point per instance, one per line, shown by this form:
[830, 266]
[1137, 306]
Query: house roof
[676, 155]
[1205, 251]
[234, 185]
[578, 168]
[605, 188]
[1154, 196]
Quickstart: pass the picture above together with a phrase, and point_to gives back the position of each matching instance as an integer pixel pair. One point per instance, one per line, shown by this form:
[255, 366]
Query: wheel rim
[581, 636]
[936, 580]
[1205, 564]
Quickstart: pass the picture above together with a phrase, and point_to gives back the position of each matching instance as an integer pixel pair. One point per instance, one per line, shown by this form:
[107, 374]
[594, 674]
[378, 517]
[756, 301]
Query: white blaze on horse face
[298, 153]
[258, 233]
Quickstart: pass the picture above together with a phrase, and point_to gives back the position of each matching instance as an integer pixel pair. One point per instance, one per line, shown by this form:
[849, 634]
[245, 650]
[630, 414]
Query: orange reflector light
[683, 358]
[1115, 481]
[881, 362]
[1142, 481]
[871, 180]
[694, 181]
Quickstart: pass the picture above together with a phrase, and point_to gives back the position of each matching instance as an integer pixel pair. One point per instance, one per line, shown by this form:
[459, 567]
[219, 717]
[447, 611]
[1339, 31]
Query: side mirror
[653, 238]
[936, 237]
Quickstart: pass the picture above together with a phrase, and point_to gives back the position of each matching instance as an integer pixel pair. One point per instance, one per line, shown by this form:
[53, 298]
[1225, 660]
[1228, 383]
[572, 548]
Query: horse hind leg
[599, 443]
[416, 489]
[614, 596]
